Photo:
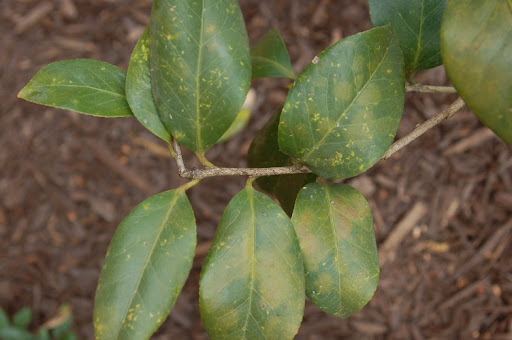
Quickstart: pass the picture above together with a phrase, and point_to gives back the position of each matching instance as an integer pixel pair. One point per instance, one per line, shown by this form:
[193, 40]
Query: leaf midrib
[198, 80]
[146, 263]
[335, 234]
[253, 259]
[85, 87]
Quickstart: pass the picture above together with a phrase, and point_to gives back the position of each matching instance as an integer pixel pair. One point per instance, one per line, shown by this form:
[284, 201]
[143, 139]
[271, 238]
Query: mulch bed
[442, 206]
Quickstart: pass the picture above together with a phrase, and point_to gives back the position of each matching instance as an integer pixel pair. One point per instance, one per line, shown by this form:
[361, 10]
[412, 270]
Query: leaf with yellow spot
[252, 283]
[349, 100]
[138, 89]
[146, 266]
[86, 86]
[476, 45]
[334, 225]
[200, 68]
[270, 57]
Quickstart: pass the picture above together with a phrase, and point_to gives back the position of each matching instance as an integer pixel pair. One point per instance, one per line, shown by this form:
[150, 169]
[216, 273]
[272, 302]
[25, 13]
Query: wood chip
[476, 138]
[387, 250]
[33, 17]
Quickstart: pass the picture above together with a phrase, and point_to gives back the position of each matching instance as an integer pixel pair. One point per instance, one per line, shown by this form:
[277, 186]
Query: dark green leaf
[138, 89]
[4, 319]
[334, 225]
[43, 334]
[69, 336]
[252, 284]
[264, 153]
[12, 333]
[417, 24]
[476, 44]
[242, 119]
[200, 68]
[270, 57]
[87, 86]
[146, 266]
[22, 318]
[343, 112]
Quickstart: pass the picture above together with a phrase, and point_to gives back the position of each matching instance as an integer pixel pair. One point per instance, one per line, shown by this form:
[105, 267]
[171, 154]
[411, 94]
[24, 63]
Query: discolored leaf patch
[252, 283]
[343, 112]
[476, 45]
[334, 225]
[146, 266]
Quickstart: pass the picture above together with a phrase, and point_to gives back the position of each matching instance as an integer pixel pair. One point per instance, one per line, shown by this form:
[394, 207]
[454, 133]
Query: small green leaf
[200, 68]
[264, 153]
[476, 45]
[146, 266]
[343, 112]
[270, 57]
[4, 319]
[43, 334]
[252, 284]
[334, 225]
[13, 333]
[138, 89]
[87, 86]
[22, 318]
[65, 318]
[417, 24]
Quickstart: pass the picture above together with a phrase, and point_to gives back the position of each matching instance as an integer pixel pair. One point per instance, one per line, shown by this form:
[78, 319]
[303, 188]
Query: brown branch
[430, 89]
[424, 127]
[289, 170]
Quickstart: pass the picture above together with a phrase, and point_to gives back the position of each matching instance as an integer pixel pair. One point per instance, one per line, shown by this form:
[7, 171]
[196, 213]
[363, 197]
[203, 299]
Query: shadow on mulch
[442, 206]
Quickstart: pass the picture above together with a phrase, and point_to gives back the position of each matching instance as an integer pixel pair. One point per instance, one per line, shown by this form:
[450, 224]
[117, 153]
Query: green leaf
[138, 89]
[343, 112]
[22, 318]
[252, 284]
[87, 86]
[43, 334]
[65, 318]
[13, 333]
[417, 24]
[4, 319]
[476, 44]
[200, 68]
[146, 266]
[242, 119]
[270, 57]
[334, 225]
[264, 153]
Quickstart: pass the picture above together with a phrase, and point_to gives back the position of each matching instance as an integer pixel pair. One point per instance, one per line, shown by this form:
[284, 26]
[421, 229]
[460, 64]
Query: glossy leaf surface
[476, 44]
[146, 266]
[334, 225]
[87, 86]
[138, 89]
[264, 153]
[200, 68]
[270, 57]
[252, 284]
[343, 112]
[417, 24]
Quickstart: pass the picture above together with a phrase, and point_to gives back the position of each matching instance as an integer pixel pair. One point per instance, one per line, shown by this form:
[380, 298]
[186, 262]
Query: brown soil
[67, 180]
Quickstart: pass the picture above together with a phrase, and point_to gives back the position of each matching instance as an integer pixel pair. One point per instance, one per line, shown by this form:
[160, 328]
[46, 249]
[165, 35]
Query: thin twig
[430, 89]
[289, 170]
[424, 127]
